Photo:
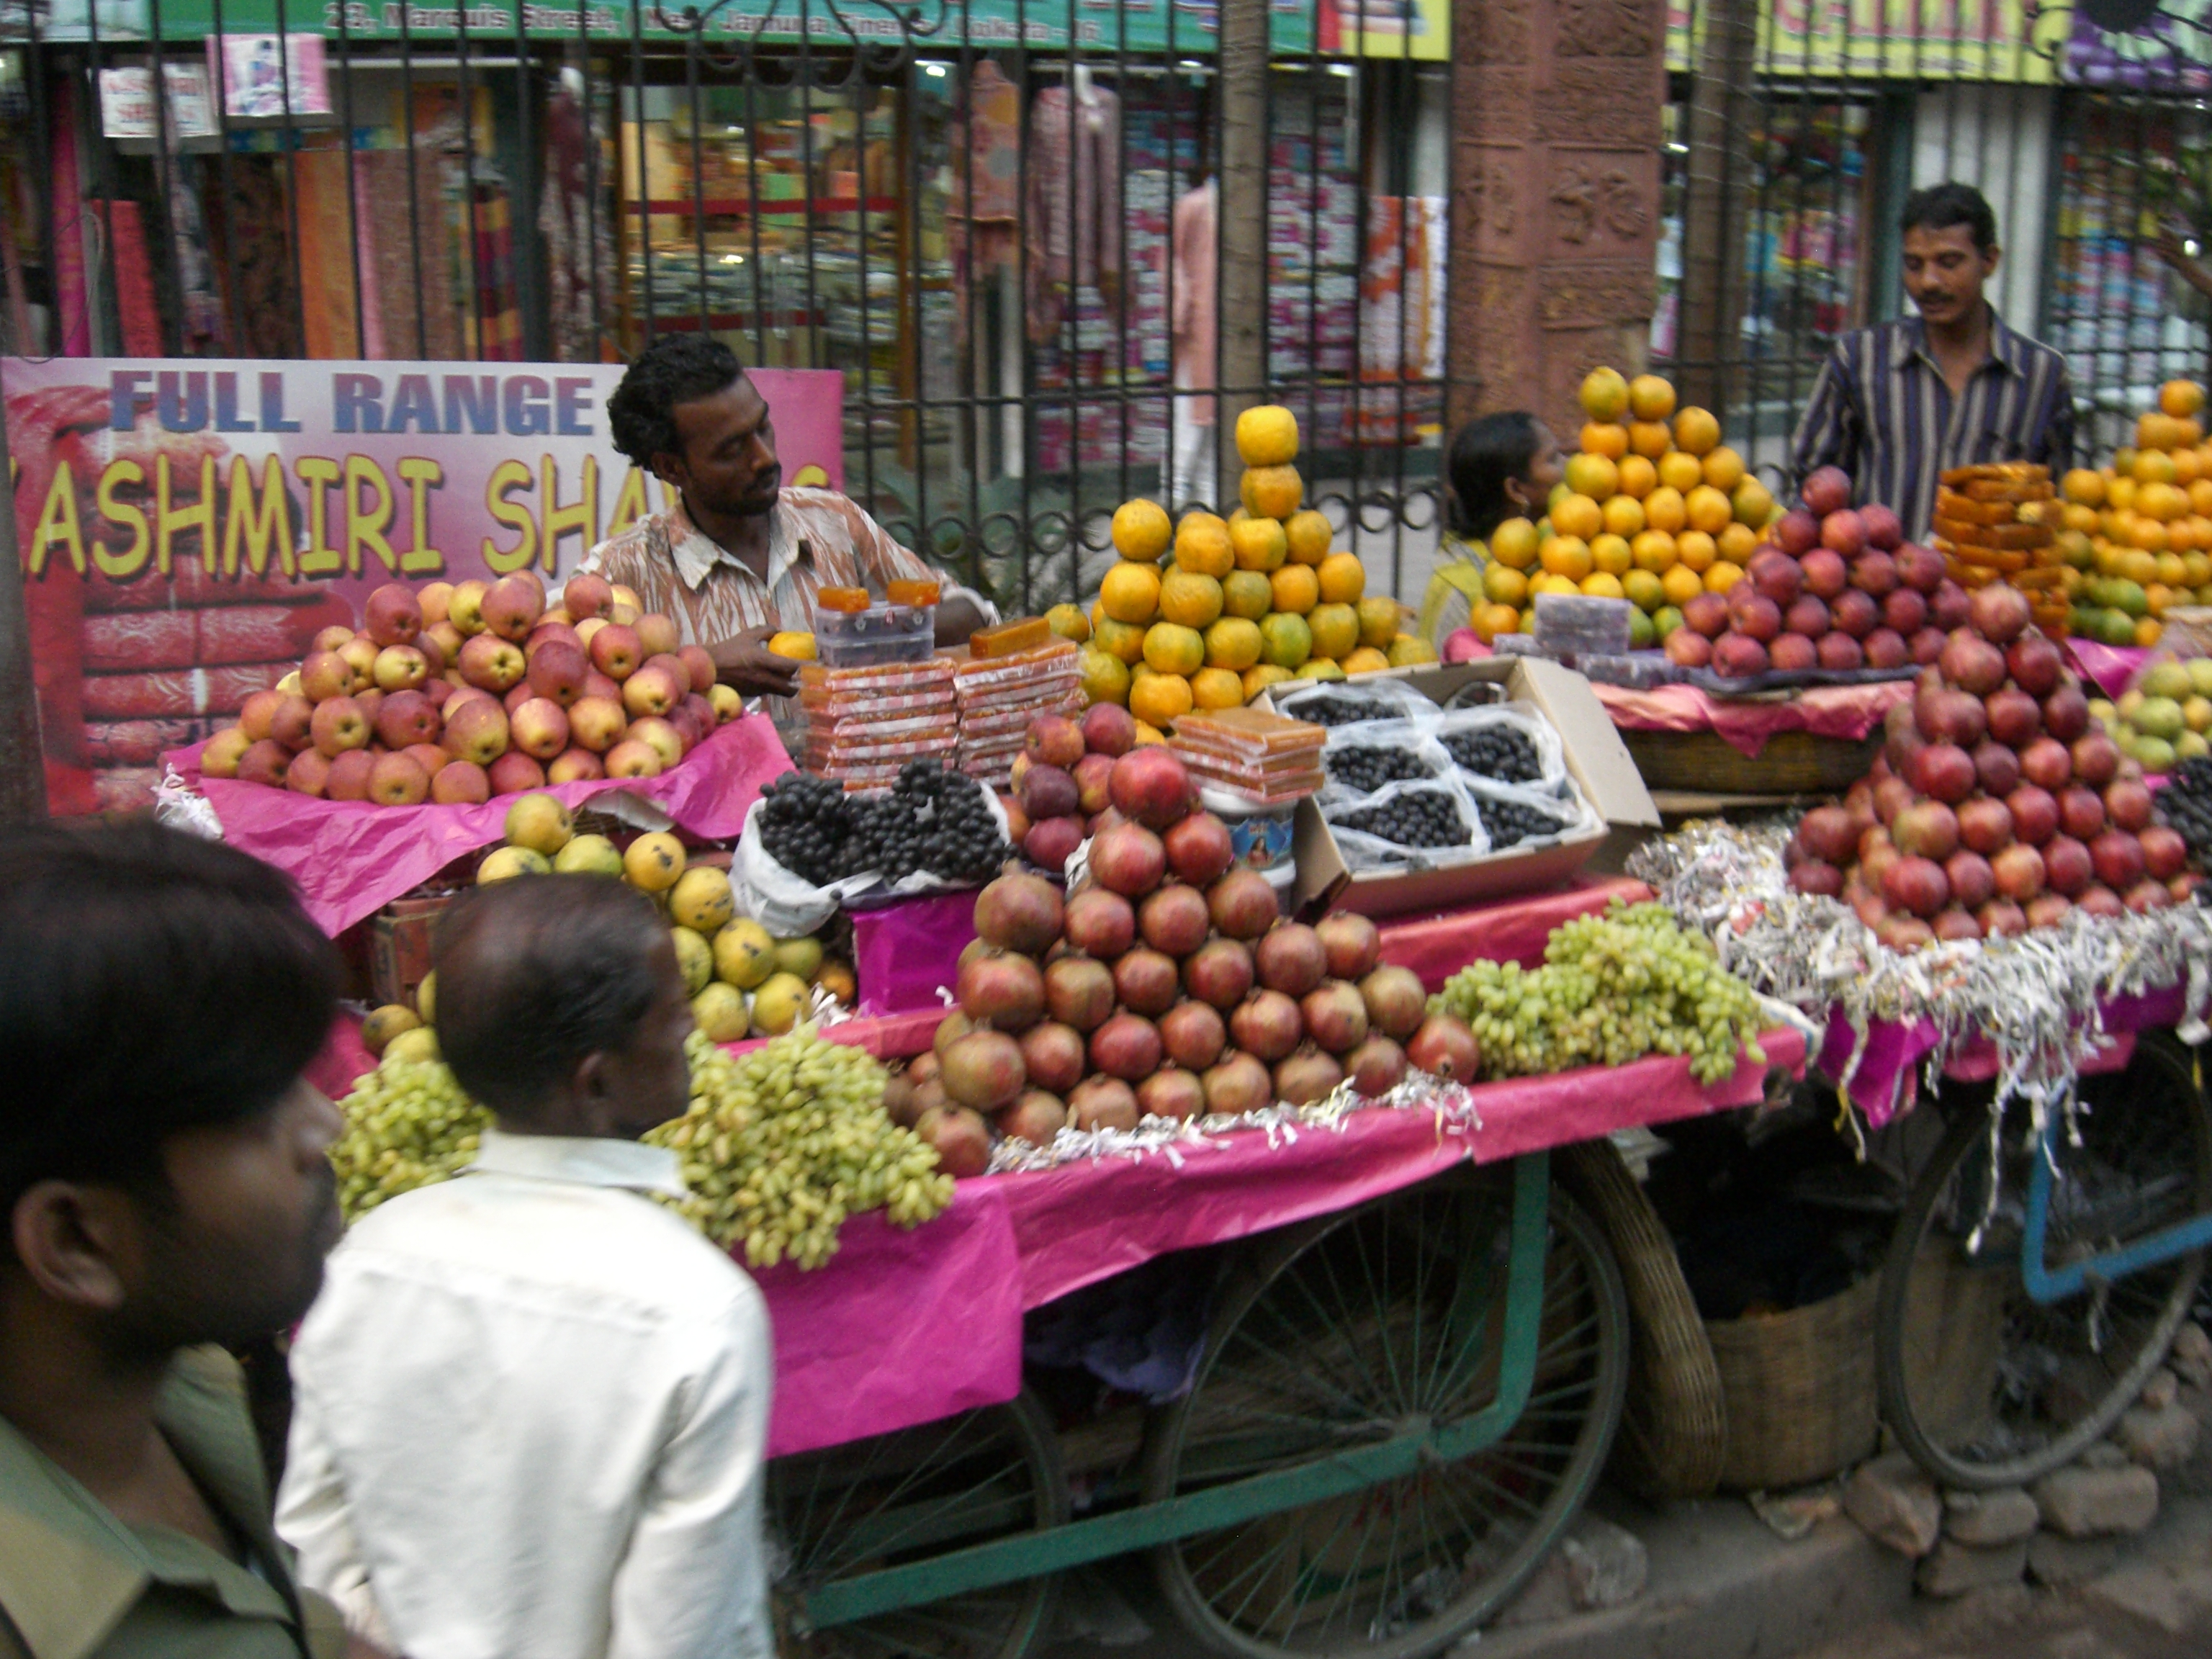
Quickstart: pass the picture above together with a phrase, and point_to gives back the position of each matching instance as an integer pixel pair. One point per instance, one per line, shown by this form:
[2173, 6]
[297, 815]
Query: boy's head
[560, 1006]
[1501, 466]
[163, 1167]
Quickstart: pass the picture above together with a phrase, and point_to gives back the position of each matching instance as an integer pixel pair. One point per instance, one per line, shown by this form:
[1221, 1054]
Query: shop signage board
[186, 526]
[2000, 40]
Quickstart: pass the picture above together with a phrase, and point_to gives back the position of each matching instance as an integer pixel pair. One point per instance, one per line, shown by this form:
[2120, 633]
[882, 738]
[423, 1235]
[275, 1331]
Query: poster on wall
[186, 527]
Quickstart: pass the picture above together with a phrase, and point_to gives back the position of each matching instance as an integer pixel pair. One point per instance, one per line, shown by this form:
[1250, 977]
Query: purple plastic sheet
[903, 952]
[351, 858]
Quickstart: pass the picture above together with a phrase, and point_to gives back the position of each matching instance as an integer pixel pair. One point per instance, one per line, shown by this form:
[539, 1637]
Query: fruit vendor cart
[1414, 1358]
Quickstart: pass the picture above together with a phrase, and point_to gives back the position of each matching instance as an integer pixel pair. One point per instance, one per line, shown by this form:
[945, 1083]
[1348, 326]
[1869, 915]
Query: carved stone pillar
[1555, 198]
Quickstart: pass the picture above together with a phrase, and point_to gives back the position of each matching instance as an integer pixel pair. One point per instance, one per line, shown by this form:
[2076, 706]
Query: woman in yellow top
[1499, 466]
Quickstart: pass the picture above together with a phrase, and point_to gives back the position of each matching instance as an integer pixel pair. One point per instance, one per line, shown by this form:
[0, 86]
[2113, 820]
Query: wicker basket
[1799, 1387]
[1674, 1431]
[1789, 764]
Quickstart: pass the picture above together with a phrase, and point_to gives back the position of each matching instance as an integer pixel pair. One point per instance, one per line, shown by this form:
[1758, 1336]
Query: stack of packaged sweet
[864, 724]
[2000, 523]
[1012, 673]
[1268, 758]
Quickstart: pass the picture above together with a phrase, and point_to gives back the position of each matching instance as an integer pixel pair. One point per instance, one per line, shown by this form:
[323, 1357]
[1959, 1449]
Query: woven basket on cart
[1674, 1432]
[1789, 762]
[1801, 1399]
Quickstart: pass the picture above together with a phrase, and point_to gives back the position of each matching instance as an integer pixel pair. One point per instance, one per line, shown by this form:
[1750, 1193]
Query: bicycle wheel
[1985, 1386]
[907, 1497]
[1348, 1339]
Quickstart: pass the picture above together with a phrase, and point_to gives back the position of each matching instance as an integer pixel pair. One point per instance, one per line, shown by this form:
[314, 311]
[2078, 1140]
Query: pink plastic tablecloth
[1828, 711]
[1509, 930]
[351, 858]
[1887, 1080]
[2109, 666]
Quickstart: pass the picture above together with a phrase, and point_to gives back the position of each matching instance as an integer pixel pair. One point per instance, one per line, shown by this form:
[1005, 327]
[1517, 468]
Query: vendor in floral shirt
[740, 557]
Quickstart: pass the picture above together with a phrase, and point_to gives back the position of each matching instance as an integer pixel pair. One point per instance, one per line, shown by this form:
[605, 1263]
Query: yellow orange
[1680, 471]
[2139, 565]
[1217, 688]
[1723, 469]
[1232, 642]
[1549, 583]
[1708, 510]
[1624, 515]
[1268, 435]
[1577, 515]
[790, 643]
[1202, 546]
[2164, 502]
[1173, 648]
[1379, 620]
[2085, 485]
[2120, 493]
[2154, 430]
[2148, 631]
[1141, 529]
[1656, 550]
[2154, 467]
[1606, 438]
[1489, 621]
[1131, 592]
[1189, 599]
[1309, 535]
[1066, 620]
[2188, 434]
[1645, 591]
[2083, 518]
[1600, 585]
[1604, 394]
[1258, 543]
[2146, 533]
[1664, 509]
[1697, 550]
[2124, 462]
[1105, 677]
[1271, 492]
[1335, 630]
[1650, 398]
[1753, 504]
[1504, 585]
[1410, 651]
[1697, 431]
[2188, 466]
[1284, 639]
[2173, 569]
[1125, 640]
[1343, 579]
[2181, 398]
[1260, 678]
[1638, 477]
[2200, 497]
[1295, 588]
[1366, 660]
[1681, 585]
[1514, 543]
[1737, 543]
[1160, 700]
[1612, 553]
[2196, 568]
[1722, 577]
[1247, 593]
[1149, 734]
[1566, 556]
[1650, 438]
[1594, 476]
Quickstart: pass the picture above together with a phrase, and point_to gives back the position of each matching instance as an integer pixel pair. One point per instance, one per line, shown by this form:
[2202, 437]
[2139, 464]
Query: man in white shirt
[532, 1403]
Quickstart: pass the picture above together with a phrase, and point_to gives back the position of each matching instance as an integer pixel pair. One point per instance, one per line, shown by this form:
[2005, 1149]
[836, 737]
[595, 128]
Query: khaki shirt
[77, 1584]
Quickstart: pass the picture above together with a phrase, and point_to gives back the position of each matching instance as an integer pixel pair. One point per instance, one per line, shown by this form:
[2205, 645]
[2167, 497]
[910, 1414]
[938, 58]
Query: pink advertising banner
[187, 525]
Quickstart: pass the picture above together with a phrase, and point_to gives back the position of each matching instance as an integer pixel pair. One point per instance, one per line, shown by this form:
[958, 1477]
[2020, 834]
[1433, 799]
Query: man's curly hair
[674, 368]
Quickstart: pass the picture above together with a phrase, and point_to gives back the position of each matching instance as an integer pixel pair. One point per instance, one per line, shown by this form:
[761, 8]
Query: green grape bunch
[1614, 987]
[782, 1144]
[779, 1146]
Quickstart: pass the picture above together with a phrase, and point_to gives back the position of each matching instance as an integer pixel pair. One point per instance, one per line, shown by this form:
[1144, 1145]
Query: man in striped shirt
[740, 558]
[1898, 404]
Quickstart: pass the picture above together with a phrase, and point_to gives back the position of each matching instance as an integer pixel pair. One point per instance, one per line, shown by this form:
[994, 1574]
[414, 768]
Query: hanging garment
[1075, 197]
[1197, 296]
[575, 222]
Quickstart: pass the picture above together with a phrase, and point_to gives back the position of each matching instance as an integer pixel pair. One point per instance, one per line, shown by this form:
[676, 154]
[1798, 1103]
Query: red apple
[337, 725]
[2035, 665]
[349, 775]
[292, 723]
[460, 783]
[324, 674]
[397, 780]
[558, 670]
[657, 735]
[1950, 605]
[1797, 533]
[538, 728]
[586, 595]
[574, 766]
[1905, 611]
[491, 663]
[392, 614]
[631, 758]
[477, 731]
[653, 690]
[512, 607]
[1826, 489]
[597, 723]
[514, 774]
[616, 652]
[2096, 761]
[1840, 653]
[1883, 529]
[701, 666]
[1855, 613]
[407, 718]
[1826, 574]
[309, 772]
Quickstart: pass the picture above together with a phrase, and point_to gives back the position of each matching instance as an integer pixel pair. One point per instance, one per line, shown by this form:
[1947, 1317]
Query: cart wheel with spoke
[1391, 1320]
[1984, 1385]
[903, 1498]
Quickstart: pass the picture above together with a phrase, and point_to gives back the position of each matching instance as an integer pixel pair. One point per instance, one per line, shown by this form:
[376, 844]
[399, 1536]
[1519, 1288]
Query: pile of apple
[1169, 986]
[1836, 588]
[459, 693]
[1996, 804]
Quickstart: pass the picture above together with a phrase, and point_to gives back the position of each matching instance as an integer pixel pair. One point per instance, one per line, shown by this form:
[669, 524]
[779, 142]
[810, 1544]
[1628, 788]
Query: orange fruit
[1233, 642]
[1379, 620]
[1697, 431]
[1148, 733]
[2085, 486]
[2154, 430]
[1611, 554]
[1218, 688]
[1738, 543]
[1604, 394]
[1335, 630]
[2146, 533]
[2139, 565]
[1490, 620]
[1606, 438]
[1260, 678]
[1066, 620]
[1268, 436]
[1271, 492]
[1577, 515]
[1624, 515]
[1514, 543]
[1680, 471]
[1663, 510]
[1600, 585]
[1284, 639]
[1650, 438]
[1131, 592]
[1202, 546]
[2149, 629]
[1258, 543]
[1309, 535]
[1124, 641]
[1550, 583]
[1650, 398]
[2154, 465]
[1503, 585]
[1343, 579]
[1638, 477]
[1366, 660]
[1189, 599]
[1141, 529]
[1105, 677]
[1681, 585]
[1295, 588]
[1697, 550]
[1173, 648]
[1723, 469]
[2120, 493]
[1722, 577]
[1594, 476]
[2081, 518]
[2181, 398]
[1320, 668]
[2189, 434]
[1708, 509]
[2188, 466]
[1656, 551]
[1160, 700]
[1567, 556]
[1753, 504]
[1247, 593]
[2164, 502]
[2173, 569]
[1645, 591]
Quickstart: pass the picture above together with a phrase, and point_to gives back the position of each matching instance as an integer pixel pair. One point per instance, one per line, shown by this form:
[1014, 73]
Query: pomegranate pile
[1166, 984]
[1996, 804]
[1834, 587]
[1059, 780]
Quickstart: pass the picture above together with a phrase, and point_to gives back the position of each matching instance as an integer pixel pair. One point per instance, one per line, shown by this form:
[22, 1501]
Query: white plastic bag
[1409, 737]
[1522, 717]
[1363, 852]
[1564, 802]
[788, 905]
[1388, 699]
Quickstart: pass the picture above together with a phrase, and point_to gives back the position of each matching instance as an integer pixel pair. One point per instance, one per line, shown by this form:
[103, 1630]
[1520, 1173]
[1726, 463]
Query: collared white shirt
[531, 1410]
